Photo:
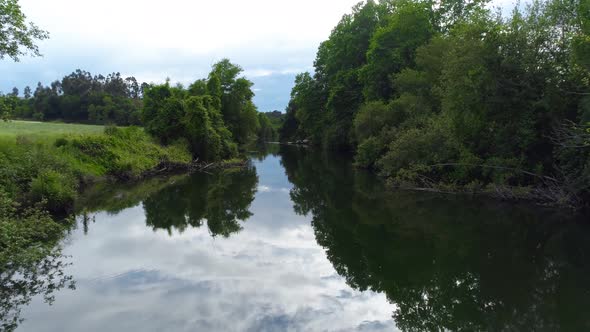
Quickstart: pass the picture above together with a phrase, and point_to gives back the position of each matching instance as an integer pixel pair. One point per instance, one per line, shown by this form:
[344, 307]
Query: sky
[272, 40]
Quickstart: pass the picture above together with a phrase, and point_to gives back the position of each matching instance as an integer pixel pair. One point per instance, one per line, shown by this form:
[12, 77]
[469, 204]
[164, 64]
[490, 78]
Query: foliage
[30, 260]
[410, 84]
[213, 115]
[235, 93]
[44, 172]
[82, 98]
[393, 47]
[204, 140]
[56, 189]
[17, 36]
[266, 131]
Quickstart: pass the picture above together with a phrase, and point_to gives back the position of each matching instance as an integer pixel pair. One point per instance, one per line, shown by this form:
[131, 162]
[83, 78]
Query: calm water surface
[302, 242]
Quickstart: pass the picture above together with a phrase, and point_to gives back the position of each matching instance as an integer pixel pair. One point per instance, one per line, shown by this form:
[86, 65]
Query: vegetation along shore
[456, 97]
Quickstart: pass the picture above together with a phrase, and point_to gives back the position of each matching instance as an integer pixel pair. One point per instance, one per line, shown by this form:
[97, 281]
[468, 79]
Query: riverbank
[547, 192]
[49, 171]
[542, 190]
[41, 176]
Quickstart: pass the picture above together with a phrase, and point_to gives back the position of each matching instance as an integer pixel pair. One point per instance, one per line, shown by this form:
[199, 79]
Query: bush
[56, 190]
[368, 152]
[61, 142]
[111, 130]
[427, 146]
[371, 119]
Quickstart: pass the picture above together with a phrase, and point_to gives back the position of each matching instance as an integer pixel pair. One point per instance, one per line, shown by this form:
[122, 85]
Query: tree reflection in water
[23, 279]
[447, 263]
[220, 200]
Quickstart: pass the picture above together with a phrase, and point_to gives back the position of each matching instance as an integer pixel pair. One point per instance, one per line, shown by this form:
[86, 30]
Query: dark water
[301, 242]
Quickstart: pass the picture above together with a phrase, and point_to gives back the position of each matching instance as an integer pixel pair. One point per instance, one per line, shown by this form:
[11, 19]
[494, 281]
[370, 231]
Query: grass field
[44, 130]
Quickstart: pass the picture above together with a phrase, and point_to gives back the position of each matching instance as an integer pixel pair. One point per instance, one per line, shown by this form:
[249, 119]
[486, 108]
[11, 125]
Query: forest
[455, 96]
[80, 97]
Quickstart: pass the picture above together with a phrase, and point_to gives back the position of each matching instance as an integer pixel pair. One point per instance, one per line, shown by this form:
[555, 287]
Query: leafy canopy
[17, 36]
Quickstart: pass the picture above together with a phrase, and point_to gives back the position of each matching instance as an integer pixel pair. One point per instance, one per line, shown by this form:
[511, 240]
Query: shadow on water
[447, 263]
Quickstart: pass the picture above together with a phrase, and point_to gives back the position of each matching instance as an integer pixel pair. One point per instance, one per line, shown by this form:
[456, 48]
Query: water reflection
[270, 276]
[221, 200]
[24, 279]
[454, 264]
[300, 241]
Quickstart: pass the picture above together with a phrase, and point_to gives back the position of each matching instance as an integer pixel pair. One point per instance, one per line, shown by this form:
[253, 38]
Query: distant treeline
[83, 98]
[80, 97]
[450, 94]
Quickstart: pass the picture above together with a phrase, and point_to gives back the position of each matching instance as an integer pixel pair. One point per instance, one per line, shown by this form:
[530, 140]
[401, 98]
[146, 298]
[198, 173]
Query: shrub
[57, 190]
[111, 130]
[368, 152]
[61, 142]
[427, 146]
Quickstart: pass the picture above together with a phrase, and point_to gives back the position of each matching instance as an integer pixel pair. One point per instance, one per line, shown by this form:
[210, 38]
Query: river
[300, 241]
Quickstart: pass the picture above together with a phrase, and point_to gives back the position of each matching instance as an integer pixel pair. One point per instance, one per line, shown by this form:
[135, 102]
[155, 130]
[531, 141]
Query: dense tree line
[79, 97]
[454, 94]
[214, 115]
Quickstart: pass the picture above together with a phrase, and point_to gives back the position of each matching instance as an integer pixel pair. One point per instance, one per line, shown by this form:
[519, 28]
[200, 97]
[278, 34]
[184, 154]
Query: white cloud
[180, 39]
[195, 27]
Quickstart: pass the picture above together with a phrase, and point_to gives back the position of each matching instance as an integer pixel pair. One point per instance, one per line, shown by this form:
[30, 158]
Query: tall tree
[27, 92]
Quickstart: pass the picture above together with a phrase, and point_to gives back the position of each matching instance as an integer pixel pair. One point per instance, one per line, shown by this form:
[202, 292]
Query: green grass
[46, 162]
[45, 130]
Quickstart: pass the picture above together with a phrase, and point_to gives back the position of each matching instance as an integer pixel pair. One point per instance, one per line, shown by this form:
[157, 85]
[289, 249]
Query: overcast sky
[151, 40]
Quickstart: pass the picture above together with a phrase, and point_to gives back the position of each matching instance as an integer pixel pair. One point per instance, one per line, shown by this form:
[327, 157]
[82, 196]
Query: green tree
[393, 48]
[213, 88]
[163, 113]
[27, 93]
[238, 110]
[266, 133]
[17, 36]
[582, 40]
[204, 141]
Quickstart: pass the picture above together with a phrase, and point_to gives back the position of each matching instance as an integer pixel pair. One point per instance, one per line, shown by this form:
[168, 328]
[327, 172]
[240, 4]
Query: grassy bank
[42, 172]
[49, 167]
[45, 130]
